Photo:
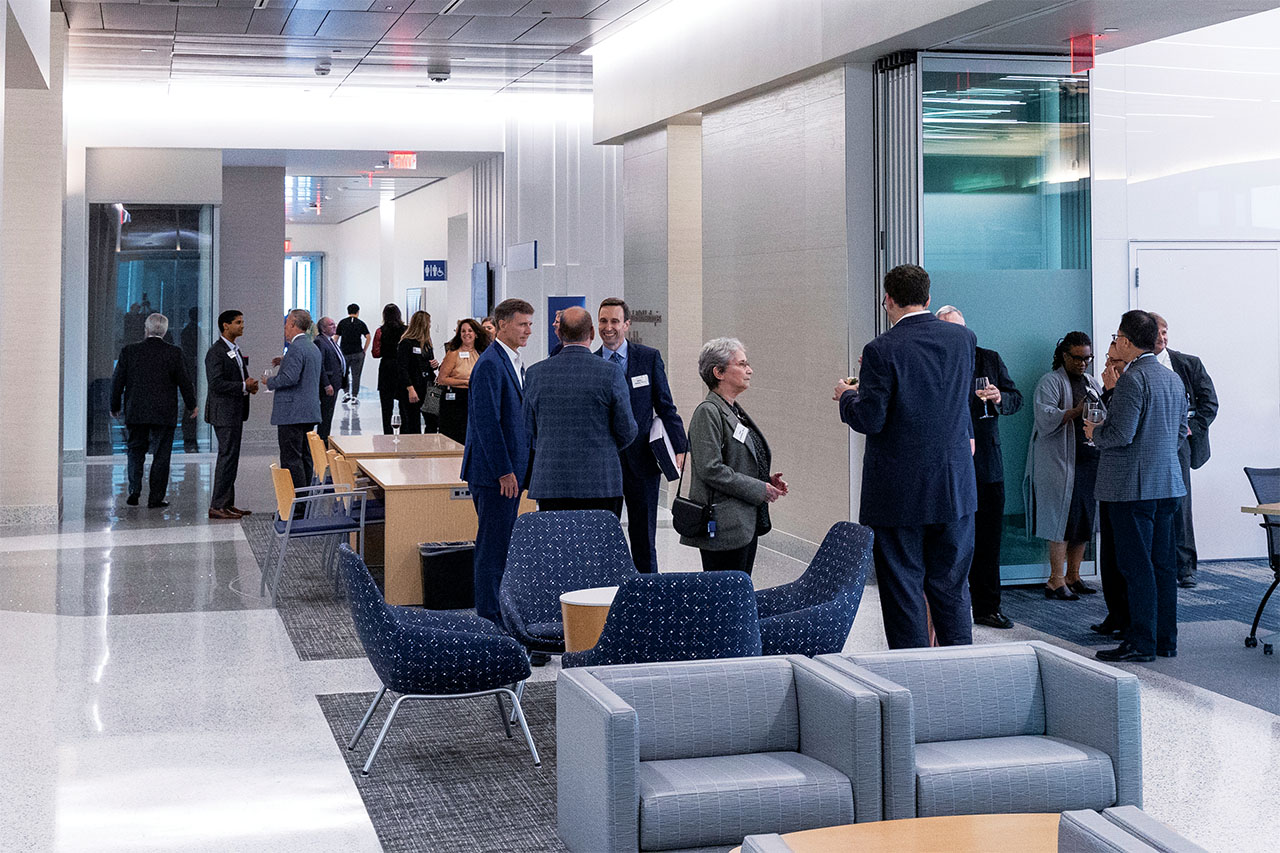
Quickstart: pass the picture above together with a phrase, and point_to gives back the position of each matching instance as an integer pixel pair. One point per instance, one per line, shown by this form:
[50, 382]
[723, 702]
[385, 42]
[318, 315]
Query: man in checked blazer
[1140, 481]
[578, 413]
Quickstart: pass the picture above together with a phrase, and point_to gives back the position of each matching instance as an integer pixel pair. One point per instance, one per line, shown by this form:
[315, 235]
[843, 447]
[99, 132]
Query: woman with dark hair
[461, 353]
[386, 343]
[1062, 466]
[417, 362]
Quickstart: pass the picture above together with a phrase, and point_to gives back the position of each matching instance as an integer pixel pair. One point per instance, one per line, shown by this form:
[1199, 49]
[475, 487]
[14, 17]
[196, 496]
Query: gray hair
[156, 325]
[716, 353]
[301, 318]
[949, 309]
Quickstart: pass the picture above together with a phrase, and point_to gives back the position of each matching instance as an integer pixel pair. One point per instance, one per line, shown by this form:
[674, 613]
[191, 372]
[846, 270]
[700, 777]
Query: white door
[1222, 301]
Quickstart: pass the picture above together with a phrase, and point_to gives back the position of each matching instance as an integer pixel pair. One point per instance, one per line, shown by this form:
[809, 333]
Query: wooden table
[1262, 509]
[384, 446]
[990, 833]
[584, 612]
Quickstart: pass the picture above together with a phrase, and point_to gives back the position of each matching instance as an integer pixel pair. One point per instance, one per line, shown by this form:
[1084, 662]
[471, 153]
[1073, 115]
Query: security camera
[323, 67]
[438, 73]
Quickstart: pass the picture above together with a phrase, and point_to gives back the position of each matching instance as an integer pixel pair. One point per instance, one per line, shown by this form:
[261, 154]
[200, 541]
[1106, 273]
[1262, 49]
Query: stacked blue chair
[813, 614]
[676, 617]
[553, 553]
[345, 515]
[424, 654]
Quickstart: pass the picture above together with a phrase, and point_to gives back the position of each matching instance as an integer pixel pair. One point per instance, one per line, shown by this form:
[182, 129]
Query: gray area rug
[447, 779]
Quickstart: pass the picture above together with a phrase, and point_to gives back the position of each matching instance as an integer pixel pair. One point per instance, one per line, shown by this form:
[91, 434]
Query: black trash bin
[448, 577]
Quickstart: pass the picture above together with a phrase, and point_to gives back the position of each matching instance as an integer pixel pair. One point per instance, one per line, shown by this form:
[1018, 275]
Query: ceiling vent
[259, 4]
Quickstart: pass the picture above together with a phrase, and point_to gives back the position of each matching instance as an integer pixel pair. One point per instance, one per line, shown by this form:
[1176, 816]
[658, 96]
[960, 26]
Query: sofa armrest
[840, 726]
[1089, 832]
[772, 843]
[1142, 825]
[1096, 705]
[898, 736]
[597, 758]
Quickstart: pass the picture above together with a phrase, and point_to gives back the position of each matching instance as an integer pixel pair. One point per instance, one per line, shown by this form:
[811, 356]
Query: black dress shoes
[539, 659]
[1107, 629]
[1167, 653]
[1081, 587]
[157, 504]
[1062, 593]
[1187, 583]
[1123, 653]
[993, 620]
[132, 500]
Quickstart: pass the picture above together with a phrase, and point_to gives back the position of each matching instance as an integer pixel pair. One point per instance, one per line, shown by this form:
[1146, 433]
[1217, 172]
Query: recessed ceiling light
[147, 50]
[1111, 29]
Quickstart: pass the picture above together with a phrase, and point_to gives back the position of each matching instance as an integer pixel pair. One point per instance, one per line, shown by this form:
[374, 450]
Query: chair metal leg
[524, 727]
[275, 584]
[519, 695]
[267, 561]
[382, 735]
[368, 715]
[502, 712]
[1252, 639]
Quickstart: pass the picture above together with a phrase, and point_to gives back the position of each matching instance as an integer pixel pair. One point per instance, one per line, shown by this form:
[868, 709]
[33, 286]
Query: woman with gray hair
[730, 463]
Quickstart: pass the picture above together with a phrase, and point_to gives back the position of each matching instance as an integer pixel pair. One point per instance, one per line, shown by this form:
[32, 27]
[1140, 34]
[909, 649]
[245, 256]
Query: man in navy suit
[919, 493]
[578, 413]
[495, 463]
[646, 377]
[1140, 483]
[296, 407]
[333, 366]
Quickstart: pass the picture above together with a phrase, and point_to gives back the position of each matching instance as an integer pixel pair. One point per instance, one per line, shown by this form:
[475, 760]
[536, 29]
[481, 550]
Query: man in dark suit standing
[296, 408]
[578, 414]
[1141, 482]
[226, 408]
[646, 377]
[1193, 448]
[148, 377]
[332, 368]
[1000, 397]
[919, 493]
[495, 463]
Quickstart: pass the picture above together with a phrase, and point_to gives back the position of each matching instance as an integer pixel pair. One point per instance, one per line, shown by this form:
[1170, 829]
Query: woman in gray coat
[1062, 466]
[730, 462]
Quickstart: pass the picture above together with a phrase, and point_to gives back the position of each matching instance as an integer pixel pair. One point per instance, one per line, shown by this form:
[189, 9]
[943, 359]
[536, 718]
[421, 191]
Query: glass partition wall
[1005, 231]
[145, 259]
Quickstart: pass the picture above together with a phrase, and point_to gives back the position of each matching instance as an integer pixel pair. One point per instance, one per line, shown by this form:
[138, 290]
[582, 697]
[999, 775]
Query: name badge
[740, 433]
[450, 395]
[464, 355]
[417, 350]
[232, 355]
[640, 381]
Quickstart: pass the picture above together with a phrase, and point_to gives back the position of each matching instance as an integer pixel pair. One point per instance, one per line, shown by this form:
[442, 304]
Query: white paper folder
[663, 452]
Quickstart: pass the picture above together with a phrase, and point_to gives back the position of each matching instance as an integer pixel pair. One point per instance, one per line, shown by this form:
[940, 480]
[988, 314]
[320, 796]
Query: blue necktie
[616, 358]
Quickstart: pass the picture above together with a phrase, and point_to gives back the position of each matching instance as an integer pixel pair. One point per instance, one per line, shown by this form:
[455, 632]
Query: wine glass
[981, 384]
[395, 427]
[1092, 414]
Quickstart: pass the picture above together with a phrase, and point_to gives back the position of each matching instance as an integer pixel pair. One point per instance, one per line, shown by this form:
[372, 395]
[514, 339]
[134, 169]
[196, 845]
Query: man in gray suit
[578, 411]
[1140, 481]
[296, 408]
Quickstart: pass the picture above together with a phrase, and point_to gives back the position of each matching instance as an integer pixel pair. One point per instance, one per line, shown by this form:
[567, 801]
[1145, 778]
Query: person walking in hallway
[999, 397]
[148, 378]
[386, 348]
[226, 408]
[354, 339]
[332, 368]
[1193, 449]
[296, 408]
[1140, 479]
[650, 395]
[495, 463]
[578, 414]
[919, 492]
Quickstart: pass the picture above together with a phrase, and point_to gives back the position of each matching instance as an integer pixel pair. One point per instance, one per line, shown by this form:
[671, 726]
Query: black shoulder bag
[689, 517]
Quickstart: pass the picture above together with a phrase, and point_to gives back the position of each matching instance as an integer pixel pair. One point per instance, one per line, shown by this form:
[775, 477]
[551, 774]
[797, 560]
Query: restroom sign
[435, 270]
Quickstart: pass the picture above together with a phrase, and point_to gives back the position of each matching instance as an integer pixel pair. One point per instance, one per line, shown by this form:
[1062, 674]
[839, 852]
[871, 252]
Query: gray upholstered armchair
[1018, 727]
[1124, 829]
[698, 754]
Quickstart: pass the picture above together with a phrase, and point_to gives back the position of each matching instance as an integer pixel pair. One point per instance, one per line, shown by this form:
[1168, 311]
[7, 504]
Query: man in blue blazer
[919, 494]
[1140, 483]
[296, 408]
[578, 413]
[646, 377]
[495, 463]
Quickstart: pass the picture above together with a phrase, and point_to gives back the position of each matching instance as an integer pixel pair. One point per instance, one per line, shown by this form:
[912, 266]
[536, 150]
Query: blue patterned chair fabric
[813, 614]
[553, 553]
[428, 652]
[678, 616]
[1123, 829]
[1017, 727]
[702, 753]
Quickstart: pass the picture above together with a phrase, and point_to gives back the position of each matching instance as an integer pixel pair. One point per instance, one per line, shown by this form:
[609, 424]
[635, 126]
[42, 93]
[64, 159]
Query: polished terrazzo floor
[151, 701]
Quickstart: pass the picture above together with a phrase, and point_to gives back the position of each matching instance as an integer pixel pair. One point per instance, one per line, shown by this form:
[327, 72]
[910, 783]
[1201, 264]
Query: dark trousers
[227, 466]
[1183, 531]
[294, 453]
[413, 420]
[141, 438]
[1114, 591]
[189, 427]
[355, 366]
[925, 563]
[327, 405]
[453, 415]
[613, 505]
[988, 526]
[1147, 555]
[496, 516]
[640, 494]
[388, 401]
[735, 559]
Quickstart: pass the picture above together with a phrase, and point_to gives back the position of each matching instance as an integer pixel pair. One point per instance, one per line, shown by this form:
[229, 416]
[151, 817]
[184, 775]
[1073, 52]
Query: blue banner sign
[435, 270]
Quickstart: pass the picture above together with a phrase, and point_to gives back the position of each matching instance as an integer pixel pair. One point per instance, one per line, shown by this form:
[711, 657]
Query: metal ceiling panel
[489, 8]
[333, 5]
[428, 7]
[561, 8]
[247, 4]
[494, 30]
[148, 19]
[303, 22]
[444, 27]
[268, 22]
[128, 2]
[612, 10]
[84, 16]
[562, 31]
[408, 27]
[203, 19]
[178, 2]
[366, 26]
[397, 6]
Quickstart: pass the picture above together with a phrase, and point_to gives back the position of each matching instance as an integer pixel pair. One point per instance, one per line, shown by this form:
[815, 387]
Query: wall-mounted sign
[435, 270]
[522, 256]
[402, 159]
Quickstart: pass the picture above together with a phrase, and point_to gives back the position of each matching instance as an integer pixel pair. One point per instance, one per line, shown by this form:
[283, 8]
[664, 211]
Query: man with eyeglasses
[1140, 481]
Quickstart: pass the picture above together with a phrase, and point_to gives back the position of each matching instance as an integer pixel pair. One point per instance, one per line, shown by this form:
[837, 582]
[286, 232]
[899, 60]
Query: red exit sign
[402, 159]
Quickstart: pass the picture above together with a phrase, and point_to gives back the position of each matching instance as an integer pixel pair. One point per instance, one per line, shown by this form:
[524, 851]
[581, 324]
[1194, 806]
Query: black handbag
[431, 401]
[689, 517]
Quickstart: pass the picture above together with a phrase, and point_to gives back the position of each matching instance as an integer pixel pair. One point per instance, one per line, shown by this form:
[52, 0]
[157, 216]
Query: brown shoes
[223, 514]
[238, 511]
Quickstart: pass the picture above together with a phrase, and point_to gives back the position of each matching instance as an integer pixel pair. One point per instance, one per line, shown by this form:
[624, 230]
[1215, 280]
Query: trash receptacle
[448, 578]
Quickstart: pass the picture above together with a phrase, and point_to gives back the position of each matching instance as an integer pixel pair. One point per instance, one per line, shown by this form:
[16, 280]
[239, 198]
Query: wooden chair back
[344, 475]
[283, 482]
[319, 457]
